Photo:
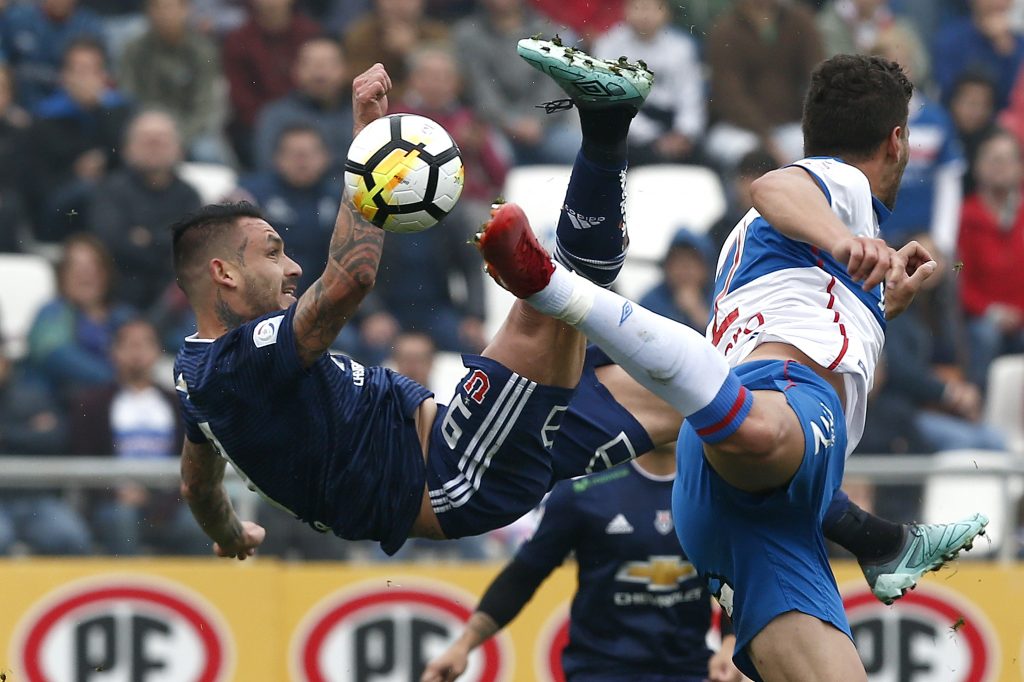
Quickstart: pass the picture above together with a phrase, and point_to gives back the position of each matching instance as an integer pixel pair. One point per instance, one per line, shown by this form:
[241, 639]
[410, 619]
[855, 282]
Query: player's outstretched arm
[202, 487]
[355, 245]
[504, 599]
[792, 202]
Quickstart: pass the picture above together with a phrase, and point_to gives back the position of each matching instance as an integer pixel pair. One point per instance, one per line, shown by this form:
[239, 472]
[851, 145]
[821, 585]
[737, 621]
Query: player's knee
[759, 436]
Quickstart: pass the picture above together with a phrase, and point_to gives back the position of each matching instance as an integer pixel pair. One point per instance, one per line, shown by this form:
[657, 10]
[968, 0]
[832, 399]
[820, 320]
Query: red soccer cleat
[514, 257]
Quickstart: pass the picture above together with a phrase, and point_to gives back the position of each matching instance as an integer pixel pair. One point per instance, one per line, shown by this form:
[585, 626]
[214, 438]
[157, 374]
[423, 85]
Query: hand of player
[720, 666]
[910, 267]
[245, 545]
[369, 97]
[867, 260]
[448, 666]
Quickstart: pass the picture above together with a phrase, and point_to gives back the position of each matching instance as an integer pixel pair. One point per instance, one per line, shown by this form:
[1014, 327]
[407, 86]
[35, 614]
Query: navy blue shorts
[490, 448]
[763, 554]
[597, 432]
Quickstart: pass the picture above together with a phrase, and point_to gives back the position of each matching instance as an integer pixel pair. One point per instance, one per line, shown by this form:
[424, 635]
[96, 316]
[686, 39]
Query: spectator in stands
[856, 26]
[75, 140]
[586, 18]
[69, 342]
[14, 123]
[299, 196]
[389, 34]
[31, 424]
[991, 251]
[414, 289]
[505, 90]
[131, 418]
[753, 165]
[413, 356]
[983, 42]
[932, 188]
[684, 295]
[925, 354]
[258, 62]
[971, 105]
[433, 91]
[33, 39]
[134, 206]
[320, 99]
[669, 127]
[175, 68]
[761, 53]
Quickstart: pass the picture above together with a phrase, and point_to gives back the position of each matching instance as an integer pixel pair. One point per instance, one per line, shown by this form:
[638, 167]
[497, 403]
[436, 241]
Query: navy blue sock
[864, 535]
[591, 234]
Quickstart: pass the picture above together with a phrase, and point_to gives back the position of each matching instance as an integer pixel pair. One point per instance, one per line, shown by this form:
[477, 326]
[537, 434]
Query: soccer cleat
[926, 547]
[513, 256]
[591, 83]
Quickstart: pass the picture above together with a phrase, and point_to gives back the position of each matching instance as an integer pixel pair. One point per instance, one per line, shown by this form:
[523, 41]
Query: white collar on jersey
[662, 478]
[195, 339]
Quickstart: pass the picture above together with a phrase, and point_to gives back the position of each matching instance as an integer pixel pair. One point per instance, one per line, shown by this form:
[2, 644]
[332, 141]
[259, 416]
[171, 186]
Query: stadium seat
[1004, 402]
[211, 180]
[448, 370]
[949, 495]
[662, 198]
[540, 191]
[27, 282]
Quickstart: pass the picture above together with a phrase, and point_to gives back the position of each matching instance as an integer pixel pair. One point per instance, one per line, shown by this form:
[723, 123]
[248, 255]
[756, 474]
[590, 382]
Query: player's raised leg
[591, 238]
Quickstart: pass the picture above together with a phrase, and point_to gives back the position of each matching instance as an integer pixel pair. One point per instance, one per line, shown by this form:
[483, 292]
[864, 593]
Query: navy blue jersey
[640, 607]
[596, 432]
[334, 444]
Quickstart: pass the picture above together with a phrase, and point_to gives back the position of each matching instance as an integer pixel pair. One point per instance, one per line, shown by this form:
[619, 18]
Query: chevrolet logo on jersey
[659, 573]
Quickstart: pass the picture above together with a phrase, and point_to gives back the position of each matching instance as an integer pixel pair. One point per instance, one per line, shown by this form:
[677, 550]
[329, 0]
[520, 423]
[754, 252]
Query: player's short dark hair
[853, 104]
[197, 235]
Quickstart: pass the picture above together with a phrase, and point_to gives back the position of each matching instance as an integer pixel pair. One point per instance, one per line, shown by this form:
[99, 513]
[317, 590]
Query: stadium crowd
[102, 101]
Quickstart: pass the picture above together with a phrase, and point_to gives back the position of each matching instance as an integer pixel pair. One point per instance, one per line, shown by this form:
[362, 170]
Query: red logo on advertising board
[930, 634]
[128, 629]
[551, 641]
[370, 633]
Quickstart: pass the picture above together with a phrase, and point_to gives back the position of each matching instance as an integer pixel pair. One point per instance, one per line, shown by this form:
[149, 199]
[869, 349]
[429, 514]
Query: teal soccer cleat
[591, 83]
[926, 547]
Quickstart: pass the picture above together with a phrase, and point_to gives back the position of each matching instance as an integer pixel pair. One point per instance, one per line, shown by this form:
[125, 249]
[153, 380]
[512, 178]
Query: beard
[261, 297]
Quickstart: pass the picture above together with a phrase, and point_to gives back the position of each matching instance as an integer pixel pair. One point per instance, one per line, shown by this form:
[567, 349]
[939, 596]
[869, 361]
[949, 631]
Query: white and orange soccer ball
[404, 173]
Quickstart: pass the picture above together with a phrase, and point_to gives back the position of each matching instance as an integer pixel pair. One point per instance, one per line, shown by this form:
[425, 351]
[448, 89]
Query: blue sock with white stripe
[591, 235]
[671, 360]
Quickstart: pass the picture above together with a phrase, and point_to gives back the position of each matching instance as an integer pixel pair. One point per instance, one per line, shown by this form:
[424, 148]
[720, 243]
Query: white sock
[671, 360]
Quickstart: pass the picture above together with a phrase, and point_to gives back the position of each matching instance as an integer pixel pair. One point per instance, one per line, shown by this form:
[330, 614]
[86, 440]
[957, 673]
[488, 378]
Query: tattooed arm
[355, 245]
[202, 486]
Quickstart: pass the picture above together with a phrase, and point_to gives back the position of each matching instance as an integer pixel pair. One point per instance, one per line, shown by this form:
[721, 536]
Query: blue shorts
[763, 554]
[597, 432]
[490, 448]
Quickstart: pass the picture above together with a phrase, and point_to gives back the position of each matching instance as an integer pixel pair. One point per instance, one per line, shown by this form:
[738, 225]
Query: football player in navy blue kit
[640, 613]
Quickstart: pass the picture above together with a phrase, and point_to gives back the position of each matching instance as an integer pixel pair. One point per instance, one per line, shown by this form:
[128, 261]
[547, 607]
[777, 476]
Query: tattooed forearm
[480, 628]
[202, 475]
[350, 274]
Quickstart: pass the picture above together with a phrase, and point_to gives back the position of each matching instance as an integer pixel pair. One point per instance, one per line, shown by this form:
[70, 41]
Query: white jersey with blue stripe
[769, 287]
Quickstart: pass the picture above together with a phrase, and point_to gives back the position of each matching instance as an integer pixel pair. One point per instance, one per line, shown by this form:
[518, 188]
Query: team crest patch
[663, 521]
[266, 331]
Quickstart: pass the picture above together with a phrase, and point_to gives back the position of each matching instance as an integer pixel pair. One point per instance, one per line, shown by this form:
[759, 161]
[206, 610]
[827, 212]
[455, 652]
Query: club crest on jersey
[266, 331]
[663, 521]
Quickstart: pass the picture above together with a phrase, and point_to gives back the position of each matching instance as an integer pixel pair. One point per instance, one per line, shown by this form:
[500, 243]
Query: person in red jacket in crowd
[433, 90]
[586, 18]
[991, 250]
[258, 60]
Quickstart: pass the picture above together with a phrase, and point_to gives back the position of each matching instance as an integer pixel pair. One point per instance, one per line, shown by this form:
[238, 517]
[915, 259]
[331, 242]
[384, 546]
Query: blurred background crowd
[118, 116]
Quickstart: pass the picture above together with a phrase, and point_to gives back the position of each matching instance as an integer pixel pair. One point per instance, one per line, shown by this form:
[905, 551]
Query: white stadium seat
[1004, 402]
[662, 198]
[27, 282]
[213, 181]
[949, 495]
[444, 377]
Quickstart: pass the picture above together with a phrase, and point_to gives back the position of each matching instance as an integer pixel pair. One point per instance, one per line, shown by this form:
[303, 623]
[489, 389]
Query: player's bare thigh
[426, 524]
[796, 647]
[660, 420]
[538, 347]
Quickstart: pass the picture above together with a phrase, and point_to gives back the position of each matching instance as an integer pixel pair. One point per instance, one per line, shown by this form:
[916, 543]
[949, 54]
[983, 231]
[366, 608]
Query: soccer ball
[404, 173]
